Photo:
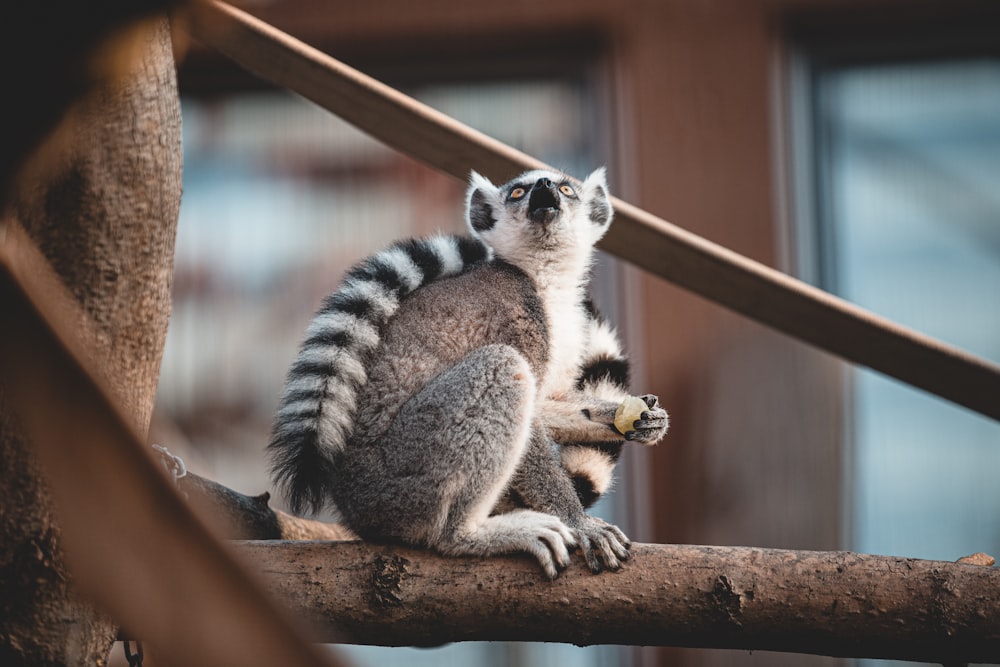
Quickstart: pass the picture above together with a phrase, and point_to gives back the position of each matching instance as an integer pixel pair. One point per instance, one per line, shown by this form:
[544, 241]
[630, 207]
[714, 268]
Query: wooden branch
[236, 516]
[828, 603]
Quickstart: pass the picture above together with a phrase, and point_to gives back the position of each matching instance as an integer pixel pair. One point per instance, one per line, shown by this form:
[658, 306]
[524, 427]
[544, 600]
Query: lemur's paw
[652, 423]
[548, 539]
[604, 546]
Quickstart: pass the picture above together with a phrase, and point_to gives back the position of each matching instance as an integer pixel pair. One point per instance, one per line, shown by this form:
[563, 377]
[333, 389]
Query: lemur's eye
[517, 193]
[567, 190]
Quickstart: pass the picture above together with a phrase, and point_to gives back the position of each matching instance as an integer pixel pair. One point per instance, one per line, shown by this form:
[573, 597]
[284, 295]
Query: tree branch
[236, 516]
[827, 603]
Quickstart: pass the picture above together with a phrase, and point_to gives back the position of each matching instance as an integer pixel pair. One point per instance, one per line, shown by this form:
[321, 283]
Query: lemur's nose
[543, 202]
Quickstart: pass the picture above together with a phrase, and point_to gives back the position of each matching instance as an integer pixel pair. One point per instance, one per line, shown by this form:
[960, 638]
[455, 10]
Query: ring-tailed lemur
[431, 415]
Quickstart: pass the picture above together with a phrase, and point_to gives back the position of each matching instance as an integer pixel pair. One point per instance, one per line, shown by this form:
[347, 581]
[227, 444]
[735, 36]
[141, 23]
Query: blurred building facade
[852, 143]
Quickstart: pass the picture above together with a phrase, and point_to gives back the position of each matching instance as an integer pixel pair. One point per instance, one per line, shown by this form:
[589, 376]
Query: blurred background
[852, 143]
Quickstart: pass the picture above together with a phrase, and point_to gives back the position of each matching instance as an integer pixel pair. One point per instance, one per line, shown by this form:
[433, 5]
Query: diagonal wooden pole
[132, 544]
[685, 259]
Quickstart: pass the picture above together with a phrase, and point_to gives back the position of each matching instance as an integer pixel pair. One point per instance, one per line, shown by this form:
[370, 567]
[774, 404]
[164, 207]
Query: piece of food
[628, 412]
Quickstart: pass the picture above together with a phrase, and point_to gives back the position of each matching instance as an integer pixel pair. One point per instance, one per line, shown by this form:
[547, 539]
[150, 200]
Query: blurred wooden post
[97, 203]
[85, 283]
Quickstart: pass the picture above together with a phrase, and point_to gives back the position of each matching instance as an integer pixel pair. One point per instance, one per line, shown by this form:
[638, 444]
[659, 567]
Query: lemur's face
[539, 215]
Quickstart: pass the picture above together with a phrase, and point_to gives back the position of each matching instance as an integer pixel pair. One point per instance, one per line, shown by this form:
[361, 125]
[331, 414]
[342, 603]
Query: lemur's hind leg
[452, 451]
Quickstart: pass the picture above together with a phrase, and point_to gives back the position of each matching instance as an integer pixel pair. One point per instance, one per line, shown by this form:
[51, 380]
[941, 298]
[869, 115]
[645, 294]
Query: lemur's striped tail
[316, 414]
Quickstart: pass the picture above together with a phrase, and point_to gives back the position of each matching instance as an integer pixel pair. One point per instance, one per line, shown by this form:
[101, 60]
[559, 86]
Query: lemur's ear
[595, 194]
[479, 201]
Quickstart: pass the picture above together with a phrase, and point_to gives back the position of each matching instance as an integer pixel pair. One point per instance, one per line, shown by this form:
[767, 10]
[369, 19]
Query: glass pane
[911, 156]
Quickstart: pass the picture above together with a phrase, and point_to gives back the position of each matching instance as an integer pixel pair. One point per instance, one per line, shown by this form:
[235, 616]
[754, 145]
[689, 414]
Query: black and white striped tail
[604, 373]
[316, 414]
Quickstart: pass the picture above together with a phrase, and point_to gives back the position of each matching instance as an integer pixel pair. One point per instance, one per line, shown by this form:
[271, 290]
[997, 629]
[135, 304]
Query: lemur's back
[441, 324]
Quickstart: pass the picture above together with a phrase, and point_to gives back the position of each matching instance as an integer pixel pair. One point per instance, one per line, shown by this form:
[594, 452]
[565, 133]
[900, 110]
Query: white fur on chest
[566, 326]
[560, 277]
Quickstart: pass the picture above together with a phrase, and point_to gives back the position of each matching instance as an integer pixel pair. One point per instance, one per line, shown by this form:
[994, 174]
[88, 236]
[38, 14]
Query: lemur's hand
[652, 423]
[647, 427]
[604, 546]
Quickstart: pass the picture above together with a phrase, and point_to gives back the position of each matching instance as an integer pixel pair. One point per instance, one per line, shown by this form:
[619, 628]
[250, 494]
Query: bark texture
[102, 206]
[51, 53]
[827, 603]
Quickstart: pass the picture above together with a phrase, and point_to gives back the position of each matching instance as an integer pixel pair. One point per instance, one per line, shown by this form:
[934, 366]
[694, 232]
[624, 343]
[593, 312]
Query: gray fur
[478, 384]
[316, 413]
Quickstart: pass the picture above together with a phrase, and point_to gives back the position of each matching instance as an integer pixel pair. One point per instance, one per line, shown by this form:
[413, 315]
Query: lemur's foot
[541, 535]
[604, 545]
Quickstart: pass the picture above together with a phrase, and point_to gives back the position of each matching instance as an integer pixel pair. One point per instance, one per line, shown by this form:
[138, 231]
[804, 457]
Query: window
[899, 145]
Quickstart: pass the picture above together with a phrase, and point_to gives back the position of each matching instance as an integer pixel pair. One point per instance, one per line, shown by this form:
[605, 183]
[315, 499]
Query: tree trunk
[102, 205]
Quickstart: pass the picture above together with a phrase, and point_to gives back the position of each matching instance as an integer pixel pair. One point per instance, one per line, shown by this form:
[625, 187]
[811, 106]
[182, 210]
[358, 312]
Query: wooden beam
[705, 268]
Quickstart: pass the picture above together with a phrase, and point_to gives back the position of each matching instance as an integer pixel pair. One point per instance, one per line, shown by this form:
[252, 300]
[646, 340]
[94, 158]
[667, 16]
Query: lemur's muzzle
[543, 202]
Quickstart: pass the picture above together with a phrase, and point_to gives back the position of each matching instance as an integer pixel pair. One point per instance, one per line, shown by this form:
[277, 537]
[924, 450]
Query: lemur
[459, 393]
